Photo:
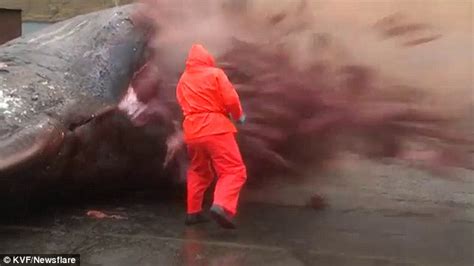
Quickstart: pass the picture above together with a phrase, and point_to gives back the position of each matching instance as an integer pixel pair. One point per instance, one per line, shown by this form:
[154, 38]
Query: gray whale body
[60, 130]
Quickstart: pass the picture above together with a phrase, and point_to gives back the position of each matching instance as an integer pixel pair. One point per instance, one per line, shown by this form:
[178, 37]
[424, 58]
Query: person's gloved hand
[242, 119]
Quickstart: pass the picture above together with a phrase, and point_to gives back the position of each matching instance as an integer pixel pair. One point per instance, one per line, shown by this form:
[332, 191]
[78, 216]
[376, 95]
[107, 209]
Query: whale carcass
[59, 125]
[61, 129]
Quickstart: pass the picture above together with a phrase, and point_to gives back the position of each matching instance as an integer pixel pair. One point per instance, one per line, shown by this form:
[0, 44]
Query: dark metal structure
[10, 24]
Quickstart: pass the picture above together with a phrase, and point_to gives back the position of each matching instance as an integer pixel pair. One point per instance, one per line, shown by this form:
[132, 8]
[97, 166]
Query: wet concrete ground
[154, 234]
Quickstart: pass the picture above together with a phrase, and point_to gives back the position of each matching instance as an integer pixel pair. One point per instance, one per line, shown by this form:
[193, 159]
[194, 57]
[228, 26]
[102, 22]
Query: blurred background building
[10, 26]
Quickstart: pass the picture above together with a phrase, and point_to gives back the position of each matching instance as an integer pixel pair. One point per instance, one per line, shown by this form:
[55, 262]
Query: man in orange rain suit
[209, 102]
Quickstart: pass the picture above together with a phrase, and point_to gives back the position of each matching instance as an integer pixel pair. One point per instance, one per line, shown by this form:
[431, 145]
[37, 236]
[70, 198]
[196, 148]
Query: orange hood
[198, 57]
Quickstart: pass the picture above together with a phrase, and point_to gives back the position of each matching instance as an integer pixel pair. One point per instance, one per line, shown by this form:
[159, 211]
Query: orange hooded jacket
[206, 97]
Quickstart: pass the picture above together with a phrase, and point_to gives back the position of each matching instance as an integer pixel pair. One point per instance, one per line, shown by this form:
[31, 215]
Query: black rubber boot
[196, 218]
[222, 217]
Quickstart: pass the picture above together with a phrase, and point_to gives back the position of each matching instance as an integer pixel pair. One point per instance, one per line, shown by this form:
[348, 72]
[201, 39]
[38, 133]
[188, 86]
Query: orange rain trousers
[221, 153]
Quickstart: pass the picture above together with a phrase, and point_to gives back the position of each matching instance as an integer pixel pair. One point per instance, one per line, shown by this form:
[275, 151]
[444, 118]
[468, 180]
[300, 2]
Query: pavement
[153, 233]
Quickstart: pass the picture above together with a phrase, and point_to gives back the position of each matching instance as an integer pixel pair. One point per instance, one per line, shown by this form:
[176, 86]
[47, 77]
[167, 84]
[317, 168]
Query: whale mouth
[31, 144]
[43, 140]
